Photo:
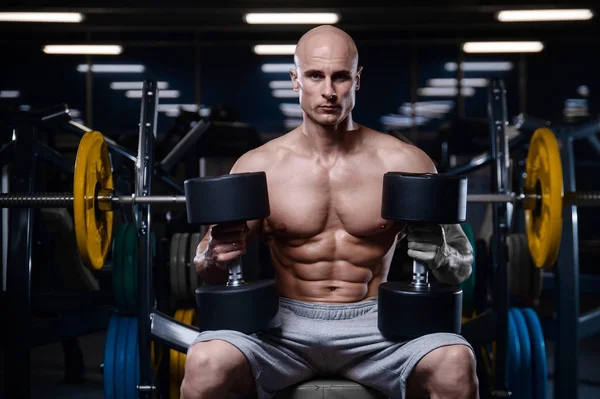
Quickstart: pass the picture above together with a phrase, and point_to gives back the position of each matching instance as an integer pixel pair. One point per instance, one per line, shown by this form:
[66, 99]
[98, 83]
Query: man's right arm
[217, 247]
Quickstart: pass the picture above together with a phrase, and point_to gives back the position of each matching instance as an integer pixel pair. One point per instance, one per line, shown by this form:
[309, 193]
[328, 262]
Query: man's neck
[329, 142]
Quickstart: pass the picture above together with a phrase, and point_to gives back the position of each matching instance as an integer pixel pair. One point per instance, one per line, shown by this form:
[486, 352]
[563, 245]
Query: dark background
[205, 52]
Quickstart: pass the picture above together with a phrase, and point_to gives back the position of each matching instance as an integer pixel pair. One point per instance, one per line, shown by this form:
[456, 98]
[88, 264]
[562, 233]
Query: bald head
[326, 42]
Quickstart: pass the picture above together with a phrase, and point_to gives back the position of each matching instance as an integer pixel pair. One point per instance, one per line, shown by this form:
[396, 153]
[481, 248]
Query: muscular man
[331, 249]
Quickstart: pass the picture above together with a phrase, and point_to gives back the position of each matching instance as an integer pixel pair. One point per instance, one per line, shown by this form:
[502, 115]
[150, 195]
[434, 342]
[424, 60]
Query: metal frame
[17, 362]
[500, 185]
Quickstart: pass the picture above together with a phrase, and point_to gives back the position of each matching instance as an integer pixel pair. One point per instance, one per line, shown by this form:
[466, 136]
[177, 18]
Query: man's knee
[211, 368]
[456, 370]
[449, 371]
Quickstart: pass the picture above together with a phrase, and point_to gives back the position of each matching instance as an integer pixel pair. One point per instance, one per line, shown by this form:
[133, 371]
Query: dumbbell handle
[235, 273]
[420, 274]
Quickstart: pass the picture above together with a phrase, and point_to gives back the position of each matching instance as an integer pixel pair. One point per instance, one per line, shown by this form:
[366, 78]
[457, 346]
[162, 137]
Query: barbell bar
[107, 200]
[93, 198]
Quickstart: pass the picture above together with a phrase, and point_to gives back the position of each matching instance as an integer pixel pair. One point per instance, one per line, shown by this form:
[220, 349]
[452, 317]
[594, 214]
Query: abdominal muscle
[333, 267]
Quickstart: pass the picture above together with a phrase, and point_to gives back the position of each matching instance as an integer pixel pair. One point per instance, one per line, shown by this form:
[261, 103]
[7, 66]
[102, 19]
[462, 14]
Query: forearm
[454, 259]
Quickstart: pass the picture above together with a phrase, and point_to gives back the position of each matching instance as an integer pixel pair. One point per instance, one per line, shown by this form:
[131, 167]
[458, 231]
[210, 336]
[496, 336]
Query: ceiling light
[480, 66]
[445, 91]
[292, 123]
[66, 17]
[451, 82]
[108, 68]
[503, 47]
[282, 93]
[277, 68]
[291, 18]
[99, 49]
[161, 94]
[544, 15]
[292, 110]
[9, 93]
[280, 84]
[185, 107]
[274, 49]
[135, 85]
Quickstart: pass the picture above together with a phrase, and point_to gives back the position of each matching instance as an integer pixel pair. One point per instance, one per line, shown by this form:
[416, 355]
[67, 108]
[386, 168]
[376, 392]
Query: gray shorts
[330, 339]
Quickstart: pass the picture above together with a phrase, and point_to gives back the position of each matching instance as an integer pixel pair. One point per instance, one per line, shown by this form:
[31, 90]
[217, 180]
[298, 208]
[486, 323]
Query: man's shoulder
[399, 155]
[262, 157]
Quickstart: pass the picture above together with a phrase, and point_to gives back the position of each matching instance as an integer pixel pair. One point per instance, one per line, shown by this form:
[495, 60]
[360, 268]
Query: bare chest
[310, 201]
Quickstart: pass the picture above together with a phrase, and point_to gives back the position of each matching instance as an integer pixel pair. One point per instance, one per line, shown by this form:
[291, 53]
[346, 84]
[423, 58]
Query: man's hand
[425, 242]
[445, 249]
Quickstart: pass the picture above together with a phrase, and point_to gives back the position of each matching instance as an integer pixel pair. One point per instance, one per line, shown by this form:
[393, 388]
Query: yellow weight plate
[93, 228]
[543, 223]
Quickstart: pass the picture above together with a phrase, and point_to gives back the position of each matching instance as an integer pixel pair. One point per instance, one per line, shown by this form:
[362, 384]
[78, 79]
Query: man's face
[326, 78]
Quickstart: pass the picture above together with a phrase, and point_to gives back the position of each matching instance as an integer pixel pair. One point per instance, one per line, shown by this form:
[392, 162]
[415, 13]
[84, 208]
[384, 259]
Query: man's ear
[294, 77]
[359, 71]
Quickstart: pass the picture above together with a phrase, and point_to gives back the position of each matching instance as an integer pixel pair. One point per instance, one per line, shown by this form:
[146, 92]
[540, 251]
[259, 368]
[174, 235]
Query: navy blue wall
[232, 76]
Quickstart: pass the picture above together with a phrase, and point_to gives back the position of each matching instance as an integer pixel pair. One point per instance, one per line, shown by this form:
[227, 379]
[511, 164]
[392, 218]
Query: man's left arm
[444, 248]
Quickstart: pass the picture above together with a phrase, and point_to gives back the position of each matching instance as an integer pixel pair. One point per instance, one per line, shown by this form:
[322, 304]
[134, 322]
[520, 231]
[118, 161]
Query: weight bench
[329, 388]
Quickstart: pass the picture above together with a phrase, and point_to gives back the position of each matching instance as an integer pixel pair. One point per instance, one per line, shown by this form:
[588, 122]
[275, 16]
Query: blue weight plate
[526, 382]
[120, 382]
[538, 351]
[131, 360]
[117, 267]
[109, 357]
[514, 357]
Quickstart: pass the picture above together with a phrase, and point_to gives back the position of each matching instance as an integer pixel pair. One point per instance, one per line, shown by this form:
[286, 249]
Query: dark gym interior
[431, 77]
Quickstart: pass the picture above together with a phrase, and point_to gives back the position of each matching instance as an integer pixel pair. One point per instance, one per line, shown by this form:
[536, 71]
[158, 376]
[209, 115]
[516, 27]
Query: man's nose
[328, 90]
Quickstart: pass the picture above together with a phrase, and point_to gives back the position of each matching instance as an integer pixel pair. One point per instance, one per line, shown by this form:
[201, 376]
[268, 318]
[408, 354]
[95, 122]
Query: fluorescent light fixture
[445, 91]
[283, 93]
[161, 94]
[66, 17]
[452, 82]
[393, 120]
[9, 94]
[544, 15]
[292, 18]
[112, 68]
[429, 109]
[277, 68]
[274, 49]
[280, 84]
[99, 49]
[291, 110]
[503, 47]
[185, 107]
[135, 85]
[500, 66]
[24, 107]
[292, 123]
[74, 113]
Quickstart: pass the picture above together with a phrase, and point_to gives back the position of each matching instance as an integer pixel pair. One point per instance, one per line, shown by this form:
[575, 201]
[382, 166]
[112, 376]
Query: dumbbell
[409, 310]
[238, 305]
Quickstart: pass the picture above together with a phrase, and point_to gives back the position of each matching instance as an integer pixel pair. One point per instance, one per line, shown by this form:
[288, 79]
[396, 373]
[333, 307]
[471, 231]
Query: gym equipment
[543, 198]
[239, 305]
[94, 198]
[75, 275]
[524, 278]
[514, 368]
[121, 351]
[118, 283]
[538, 352]
[173, 259]
[92, 171]
[410, 310]
[523, 387]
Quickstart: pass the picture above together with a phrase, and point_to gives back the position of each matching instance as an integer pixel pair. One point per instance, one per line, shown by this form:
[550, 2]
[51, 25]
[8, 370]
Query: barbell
[94, 198]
